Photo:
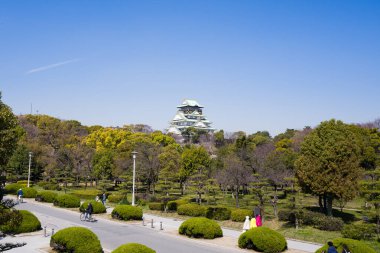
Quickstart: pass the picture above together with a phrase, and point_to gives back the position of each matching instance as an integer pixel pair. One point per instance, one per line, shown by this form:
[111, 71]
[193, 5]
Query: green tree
[329, 163]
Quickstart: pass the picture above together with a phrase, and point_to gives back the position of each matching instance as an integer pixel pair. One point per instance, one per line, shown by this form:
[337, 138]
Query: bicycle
[89, 217]
[20, 199]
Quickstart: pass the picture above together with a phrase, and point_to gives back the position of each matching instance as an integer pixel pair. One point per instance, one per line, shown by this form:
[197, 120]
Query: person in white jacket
[246, 224]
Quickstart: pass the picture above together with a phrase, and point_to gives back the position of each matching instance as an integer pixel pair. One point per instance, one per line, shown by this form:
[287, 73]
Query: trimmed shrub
[115, 198]
[76, 239]
[263, 239]
[12, 188]
[157, 206]
[52, 187]
[174, 204]
[133, 248]
[218, 213]
[97, 207]
[354, 246]
[87, 194]
[192, 210]
[24, 183]
[46, 196]
[285, 215]
[29, 223]
[359, 231]
[200, 227]
[126, 212]
[29, 192]
[239, 214]
[67, 200]
[328, 223]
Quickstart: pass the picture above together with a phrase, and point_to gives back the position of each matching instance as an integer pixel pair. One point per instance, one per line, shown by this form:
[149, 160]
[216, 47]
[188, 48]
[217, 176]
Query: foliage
[76, 239]
[30, 223]
[192, 210]
[12, 188]
[360, 231]
[263, 239]
[330, 159]
[133, 248]
[240, 214]
[116, 198]
[10, 219]
[29, 192]
[97, 206]
[218, 213]
[51, 186]
[126, 212]
[87, 193]
[46, 196]
[200, 228]
[174, 204]
[67, 200]
[354, 246]
[156, 206]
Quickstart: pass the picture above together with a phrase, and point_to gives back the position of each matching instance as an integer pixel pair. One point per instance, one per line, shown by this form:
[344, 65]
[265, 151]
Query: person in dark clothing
[89, 211]
[331, 248]
[345, 249]
[104, 197]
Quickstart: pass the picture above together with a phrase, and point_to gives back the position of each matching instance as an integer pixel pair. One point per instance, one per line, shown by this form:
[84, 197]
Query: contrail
[54, 65]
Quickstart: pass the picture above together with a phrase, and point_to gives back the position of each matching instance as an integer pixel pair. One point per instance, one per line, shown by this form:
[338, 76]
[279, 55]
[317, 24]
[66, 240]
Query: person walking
[259, 223]
[104, 198]
[345, 249]
[252, 223]
[246, 225]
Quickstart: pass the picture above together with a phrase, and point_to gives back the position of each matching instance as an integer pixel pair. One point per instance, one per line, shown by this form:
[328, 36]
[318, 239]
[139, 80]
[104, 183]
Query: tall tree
[329, 163]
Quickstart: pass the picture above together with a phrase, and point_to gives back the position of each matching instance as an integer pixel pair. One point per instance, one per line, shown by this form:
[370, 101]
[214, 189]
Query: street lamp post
[30, 161]
[134, 153]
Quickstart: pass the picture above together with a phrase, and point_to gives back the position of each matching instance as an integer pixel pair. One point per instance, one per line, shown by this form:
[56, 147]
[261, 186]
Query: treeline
[334, 161]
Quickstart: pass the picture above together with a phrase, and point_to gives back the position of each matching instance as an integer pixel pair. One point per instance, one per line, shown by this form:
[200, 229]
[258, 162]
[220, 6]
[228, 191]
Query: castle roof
[190, 102]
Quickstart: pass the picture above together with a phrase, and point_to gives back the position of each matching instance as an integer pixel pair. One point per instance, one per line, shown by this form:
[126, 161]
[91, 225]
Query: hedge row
[67, 200]
[361, 231]
[87, 194]
[240, 214]
[46, 196]
[97, 206]
[314, 219]
[13, 189]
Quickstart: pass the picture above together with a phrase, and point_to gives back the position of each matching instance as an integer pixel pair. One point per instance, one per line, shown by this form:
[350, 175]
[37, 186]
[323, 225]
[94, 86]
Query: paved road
[112, 234]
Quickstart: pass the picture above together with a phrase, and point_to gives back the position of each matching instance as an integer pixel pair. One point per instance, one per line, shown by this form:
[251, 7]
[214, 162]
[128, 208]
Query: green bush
[97, 207]
[218, 213]
[116, 198]
[354, 246]
[263, 239]
[29, 192]
[87, 194]
[76, 239]
[133, 248]
[24, 183]
[328, 223]
[285, 215]
[29, 223]
[192, 210]
[200, 227]
[46, 196]
[240, 214]
[67, 200]
[52, 187]
[12, 188]
[174, 204]
[359, 231]
[126, 212]
[156, 206]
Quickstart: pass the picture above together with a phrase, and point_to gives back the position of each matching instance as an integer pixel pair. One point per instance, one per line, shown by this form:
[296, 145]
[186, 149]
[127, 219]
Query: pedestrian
[331, 248]
[104, 198]
[246, 225]
[258, 221]
[253, 223]
[97, 198]
[345, 249]
[89, 211]
[256, 211]
[20, 195]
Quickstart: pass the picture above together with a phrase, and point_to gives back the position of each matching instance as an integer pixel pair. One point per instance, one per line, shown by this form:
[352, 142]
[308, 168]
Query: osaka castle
[189, 114]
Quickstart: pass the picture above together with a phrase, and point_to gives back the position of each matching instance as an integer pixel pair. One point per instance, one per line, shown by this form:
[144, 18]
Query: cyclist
[20, 195]
[88, 212]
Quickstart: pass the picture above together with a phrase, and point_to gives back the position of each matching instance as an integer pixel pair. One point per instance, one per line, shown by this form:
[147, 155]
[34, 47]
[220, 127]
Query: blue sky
[254, 65]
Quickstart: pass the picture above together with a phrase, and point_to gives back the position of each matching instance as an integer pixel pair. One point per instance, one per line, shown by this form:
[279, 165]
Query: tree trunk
[237, 196]
[324, 204]
[329, 204]
[320, 203]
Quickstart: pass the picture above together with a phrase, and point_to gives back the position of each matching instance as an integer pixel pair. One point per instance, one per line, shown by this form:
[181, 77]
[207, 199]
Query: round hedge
[87, 194]
[192, 210]
[218, 213]
[240, 214]
[67, 200]
[263, 239]
[200, 228]
[29, 223]
[97, 207]
[133, 248]
[156, 206]
[46, 196]
[127, 212]
[115, 198]
[354, 246]
[76, 239]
